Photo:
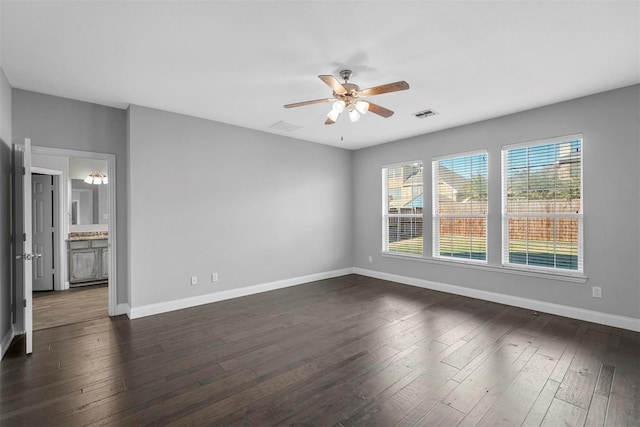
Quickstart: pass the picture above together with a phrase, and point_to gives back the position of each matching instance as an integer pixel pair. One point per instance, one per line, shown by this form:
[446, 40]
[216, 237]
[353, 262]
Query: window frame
[436, 215]
[506, 216]
[385, 210]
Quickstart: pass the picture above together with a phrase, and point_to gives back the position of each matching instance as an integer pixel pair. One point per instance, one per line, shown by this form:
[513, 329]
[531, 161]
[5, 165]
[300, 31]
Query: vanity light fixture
[96, 178]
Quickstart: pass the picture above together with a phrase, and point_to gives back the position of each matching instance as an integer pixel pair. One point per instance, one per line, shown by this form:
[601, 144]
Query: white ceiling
[239, 62]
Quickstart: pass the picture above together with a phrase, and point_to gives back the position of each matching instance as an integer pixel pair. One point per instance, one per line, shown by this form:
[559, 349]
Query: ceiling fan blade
[389, 87]
[315, 101]
[381, 111]
[329, 121]
[333, 83]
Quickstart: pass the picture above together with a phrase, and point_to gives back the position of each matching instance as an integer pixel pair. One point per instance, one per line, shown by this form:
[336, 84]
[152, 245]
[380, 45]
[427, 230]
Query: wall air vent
[287, 127]
[424, 113]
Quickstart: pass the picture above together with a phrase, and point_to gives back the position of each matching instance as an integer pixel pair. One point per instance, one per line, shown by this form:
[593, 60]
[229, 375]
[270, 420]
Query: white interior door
[43, 230]
[26, 255]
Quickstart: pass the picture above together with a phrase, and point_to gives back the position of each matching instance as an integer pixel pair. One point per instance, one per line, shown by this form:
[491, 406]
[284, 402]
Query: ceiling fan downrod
[346, 75]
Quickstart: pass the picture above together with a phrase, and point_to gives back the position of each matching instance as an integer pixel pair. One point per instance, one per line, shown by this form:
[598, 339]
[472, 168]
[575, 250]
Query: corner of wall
[6, 206]
[6, 340]
[7, 332]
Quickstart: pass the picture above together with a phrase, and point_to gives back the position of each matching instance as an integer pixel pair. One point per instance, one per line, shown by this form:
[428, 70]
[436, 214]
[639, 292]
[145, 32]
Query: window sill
[566, 277]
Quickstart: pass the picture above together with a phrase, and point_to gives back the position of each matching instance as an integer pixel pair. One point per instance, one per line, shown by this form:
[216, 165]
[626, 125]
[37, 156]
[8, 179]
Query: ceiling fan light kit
[346, 96]
[338, 106]
[362, 107]
[333, 115]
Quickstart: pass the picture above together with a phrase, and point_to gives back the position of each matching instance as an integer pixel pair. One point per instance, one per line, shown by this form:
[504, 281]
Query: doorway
[80, 279]
[22, 248]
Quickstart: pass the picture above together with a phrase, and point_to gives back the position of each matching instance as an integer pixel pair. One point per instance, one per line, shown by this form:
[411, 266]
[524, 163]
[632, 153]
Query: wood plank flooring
[57, 308]
[349, 351]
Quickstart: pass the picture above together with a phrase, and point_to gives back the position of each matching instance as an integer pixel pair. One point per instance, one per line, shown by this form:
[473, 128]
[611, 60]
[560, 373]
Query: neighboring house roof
[415, 177]
[406, 188]
[452, 185]
[569, 157]
[415, 203]
[454, 180]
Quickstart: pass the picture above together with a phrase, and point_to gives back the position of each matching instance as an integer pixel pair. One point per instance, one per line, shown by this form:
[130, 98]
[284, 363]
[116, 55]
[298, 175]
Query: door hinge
[24, 171]
[24, 303]
[24, 237]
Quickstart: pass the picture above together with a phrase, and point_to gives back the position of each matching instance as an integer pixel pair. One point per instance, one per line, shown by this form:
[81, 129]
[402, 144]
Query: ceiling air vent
[287, 127]
[424, 113]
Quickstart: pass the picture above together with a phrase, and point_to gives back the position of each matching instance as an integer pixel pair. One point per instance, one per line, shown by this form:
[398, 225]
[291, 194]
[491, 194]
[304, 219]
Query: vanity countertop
[74, 239]
[88, 235]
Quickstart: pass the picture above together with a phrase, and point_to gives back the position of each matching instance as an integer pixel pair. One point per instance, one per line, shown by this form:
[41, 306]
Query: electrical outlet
[214, 277]
[370, 258]
[194, 280]
[596, 292]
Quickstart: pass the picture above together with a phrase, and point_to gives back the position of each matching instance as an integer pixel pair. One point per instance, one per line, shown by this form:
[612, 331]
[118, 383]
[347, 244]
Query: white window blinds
[459, 190]
[542, 204]
[402, 205]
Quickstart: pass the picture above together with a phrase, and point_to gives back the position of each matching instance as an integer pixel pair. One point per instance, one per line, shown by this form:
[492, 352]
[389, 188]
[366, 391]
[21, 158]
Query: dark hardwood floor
[74, 305]
[345, 351]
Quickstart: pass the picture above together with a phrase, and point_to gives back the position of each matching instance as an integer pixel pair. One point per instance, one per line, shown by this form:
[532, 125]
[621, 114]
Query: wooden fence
[542, 229]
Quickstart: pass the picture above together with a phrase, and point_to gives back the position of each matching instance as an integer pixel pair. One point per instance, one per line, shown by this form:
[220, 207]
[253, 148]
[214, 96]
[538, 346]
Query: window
[402, 208]
[542, 204]
[460, 207]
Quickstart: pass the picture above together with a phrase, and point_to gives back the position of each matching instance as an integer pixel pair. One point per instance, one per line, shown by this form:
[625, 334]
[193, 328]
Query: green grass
[538, 246]
[461, 244]
[408, 246]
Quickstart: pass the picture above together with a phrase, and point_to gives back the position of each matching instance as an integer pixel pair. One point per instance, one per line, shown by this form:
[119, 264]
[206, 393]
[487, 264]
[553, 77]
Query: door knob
[28, 257]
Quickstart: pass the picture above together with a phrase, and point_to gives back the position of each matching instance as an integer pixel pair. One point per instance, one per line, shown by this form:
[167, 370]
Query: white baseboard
[623, 322]
[617, 321]
[6, 341]
[163, 307]
[122, 309]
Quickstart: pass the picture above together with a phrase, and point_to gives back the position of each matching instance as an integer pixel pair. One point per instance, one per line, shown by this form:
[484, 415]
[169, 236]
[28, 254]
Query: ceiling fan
[347, 96]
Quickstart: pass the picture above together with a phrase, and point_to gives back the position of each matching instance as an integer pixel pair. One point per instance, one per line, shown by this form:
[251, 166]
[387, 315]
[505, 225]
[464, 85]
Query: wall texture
[56, 122]
[5, 208]
[609, 124]
[206, 197]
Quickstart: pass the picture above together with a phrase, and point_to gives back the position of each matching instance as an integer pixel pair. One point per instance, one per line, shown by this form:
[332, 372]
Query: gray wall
[253, 207]
[609, 123]
[207, 197]
[5, 205]
[56, 122]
